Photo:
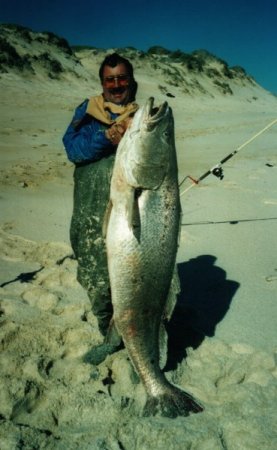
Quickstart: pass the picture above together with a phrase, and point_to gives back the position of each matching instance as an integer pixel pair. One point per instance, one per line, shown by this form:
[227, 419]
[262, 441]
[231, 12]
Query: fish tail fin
[172, 403]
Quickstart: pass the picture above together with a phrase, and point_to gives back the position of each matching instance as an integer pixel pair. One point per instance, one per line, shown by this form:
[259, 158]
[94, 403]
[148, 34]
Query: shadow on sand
[204, 300]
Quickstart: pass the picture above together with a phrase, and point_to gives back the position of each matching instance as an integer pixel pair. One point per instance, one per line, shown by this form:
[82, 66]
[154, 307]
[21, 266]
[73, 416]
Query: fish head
[149, 146]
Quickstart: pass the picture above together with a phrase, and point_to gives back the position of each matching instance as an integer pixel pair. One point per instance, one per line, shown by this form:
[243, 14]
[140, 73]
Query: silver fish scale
[142, 240]
[141, 259]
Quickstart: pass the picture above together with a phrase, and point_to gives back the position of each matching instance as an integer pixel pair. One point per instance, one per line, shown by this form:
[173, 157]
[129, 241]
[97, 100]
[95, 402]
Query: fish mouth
[154, 114]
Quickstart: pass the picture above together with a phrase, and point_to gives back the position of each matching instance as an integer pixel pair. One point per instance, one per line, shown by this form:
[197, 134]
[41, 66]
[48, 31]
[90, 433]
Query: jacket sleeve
[85, 138]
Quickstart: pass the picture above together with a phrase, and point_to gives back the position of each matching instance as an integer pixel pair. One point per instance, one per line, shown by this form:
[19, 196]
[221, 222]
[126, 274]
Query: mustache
[118, 90]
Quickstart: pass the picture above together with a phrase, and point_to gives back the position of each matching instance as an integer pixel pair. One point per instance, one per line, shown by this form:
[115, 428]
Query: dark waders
[91, 196]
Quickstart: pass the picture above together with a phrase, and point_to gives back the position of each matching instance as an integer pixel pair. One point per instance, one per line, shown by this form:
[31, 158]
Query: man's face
[116, 84]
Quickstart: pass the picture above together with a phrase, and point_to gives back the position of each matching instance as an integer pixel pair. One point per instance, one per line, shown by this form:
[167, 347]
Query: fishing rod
[217, 170]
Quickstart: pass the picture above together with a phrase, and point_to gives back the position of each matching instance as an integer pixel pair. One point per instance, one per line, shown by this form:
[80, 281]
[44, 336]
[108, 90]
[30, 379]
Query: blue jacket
[85, 139]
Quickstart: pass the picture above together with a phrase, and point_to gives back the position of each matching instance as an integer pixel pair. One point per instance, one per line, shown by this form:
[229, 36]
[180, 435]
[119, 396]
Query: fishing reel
[218, 172]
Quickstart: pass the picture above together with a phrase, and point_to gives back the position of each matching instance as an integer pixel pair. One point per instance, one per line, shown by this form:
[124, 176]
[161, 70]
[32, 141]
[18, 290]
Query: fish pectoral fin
[132, 211]
[106, 218]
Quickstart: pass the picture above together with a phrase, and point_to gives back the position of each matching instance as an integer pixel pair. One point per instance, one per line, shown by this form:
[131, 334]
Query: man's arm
[85, 139]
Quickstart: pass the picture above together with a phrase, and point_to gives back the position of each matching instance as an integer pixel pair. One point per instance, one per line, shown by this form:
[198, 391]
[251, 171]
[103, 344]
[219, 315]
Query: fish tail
[172, 403]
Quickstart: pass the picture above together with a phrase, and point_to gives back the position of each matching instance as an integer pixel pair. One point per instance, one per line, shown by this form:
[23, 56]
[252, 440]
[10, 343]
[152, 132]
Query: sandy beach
[223, 350]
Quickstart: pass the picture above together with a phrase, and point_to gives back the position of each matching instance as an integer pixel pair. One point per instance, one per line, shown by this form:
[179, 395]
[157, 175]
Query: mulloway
[142, 240]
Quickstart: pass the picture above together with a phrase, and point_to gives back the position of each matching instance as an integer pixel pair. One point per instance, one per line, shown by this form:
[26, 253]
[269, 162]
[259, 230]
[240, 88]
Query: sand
[51, 397]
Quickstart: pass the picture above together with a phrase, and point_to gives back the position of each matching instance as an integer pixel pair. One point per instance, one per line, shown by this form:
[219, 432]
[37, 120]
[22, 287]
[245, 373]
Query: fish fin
[163, 339]
[113, 337]
[133, 213]
[129, 208]
[173, 292]
[173, 403]
[106, 218]
[136, 222]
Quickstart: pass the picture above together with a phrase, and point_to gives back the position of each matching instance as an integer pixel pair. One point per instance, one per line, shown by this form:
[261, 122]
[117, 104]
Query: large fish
[142, 239]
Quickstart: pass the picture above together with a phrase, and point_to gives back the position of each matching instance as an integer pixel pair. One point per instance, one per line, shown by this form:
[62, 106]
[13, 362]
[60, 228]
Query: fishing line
[230, 222]
[217, 170]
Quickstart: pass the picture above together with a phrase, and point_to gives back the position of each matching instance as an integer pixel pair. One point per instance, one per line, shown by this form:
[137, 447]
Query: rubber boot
[102, 308]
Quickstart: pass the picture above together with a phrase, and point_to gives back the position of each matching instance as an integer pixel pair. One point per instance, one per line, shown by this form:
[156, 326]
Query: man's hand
[116, 132]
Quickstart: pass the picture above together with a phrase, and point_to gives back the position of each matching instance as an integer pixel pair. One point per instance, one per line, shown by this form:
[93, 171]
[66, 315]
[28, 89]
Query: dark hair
[113, 60]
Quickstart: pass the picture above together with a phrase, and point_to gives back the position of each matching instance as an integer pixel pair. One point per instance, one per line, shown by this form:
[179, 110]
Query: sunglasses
[117, 81]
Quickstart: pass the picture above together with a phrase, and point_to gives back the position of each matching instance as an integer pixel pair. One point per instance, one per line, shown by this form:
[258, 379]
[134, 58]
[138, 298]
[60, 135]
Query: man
[90, 141]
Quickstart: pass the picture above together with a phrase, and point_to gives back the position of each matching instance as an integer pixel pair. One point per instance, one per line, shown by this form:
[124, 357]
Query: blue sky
[241, 32]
